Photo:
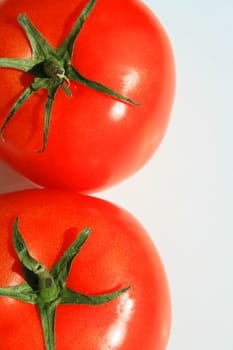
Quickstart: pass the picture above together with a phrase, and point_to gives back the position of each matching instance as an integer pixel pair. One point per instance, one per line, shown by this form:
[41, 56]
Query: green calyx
[47, 289]
[51, 69]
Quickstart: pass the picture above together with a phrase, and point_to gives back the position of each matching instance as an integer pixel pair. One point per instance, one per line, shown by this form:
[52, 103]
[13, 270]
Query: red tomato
[95, 140]
[118, 253]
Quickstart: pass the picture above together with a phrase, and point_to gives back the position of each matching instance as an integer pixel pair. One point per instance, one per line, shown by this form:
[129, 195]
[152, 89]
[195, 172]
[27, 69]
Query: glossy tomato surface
[118, 253]
[95, 141]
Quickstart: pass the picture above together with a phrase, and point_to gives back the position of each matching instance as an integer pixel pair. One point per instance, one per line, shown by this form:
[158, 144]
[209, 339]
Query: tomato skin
[94, 141]
[118, 253]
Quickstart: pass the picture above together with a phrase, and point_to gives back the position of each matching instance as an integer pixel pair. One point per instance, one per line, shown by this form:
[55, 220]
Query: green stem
[47, 289]
[52, 68]
[21, 292]
[47, 316]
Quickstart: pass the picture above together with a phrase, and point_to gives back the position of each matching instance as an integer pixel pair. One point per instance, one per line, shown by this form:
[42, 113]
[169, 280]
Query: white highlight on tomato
[117, 331]
[129, 82]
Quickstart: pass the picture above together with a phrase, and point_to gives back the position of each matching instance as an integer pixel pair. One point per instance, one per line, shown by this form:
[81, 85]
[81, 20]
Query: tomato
[118, 253]
[95, 140]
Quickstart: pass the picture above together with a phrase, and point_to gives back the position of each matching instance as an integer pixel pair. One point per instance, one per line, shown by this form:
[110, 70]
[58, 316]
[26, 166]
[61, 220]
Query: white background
[184, 196]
